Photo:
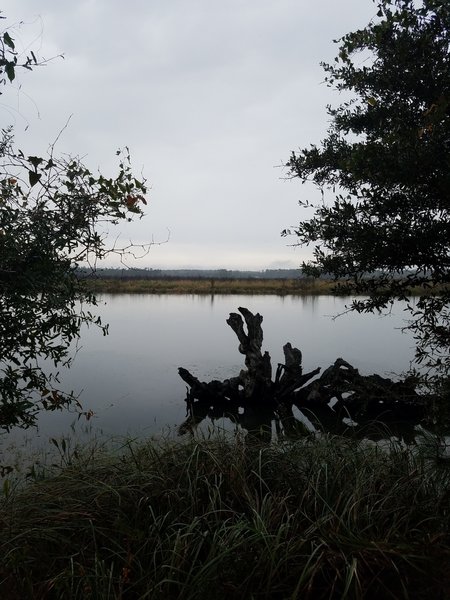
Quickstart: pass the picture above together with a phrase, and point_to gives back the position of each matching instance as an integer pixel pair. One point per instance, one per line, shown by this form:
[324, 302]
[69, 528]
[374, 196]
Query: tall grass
[212, 286]
[320, 518]
[251, 286]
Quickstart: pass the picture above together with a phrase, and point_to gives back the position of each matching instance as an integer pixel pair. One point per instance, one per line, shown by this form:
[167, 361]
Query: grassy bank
[211, 286]
[322, 518]
[280, 287]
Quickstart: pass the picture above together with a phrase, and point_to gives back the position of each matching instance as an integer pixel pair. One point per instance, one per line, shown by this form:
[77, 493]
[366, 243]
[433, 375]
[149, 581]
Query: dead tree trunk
[256, 381]
[353, 394]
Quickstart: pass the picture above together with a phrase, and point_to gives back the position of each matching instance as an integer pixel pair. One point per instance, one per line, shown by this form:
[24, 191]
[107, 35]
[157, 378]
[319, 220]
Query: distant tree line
[125, 274]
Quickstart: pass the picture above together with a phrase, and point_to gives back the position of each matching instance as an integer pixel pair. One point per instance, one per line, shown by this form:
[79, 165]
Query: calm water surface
[129, 378]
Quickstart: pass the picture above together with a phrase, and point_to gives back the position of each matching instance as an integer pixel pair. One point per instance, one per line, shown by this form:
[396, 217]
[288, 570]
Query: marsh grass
[212, 286]
[324, 517]
[204, 286]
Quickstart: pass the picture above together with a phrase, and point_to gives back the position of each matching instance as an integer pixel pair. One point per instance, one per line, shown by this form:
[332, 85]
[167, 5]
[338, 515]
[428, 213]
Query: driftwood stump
[256, 381]
[340, 391]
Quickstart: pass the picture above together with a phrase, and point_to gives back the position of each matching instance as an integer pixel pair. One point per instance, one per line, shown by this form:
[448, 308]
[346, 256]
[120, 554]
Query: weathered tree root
[340, 391]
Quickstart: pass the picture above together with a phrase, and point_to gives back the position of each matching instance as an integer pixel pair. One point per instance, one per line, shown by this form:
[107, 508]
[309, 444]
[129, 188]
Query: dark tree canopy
[54, 215]
[386, 159]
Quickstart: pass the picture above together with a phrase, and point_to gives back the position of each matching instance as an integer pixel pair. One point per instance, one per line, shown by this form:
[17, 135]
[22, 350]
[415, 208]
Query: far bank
[175, 285]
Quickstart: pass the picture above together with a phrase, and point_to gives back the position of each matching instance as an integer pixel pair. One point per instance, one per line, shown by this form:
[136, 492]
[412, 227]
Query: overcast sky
[210, 96]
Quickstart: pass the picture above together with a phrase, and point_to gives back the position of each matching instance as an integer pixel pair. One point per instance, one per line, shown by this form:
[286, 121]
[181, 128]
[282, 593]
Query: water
[129, 378]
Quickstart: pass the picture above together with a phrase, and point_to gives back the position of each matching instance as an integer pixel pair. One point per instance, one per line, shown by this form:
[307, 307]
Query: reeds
[319, 518]
[207, 286]
[212, 286]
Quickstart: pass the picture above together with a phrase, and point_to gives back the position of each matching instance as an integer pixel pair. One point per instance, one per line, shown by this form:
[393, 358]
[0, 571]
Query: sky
[210, 96]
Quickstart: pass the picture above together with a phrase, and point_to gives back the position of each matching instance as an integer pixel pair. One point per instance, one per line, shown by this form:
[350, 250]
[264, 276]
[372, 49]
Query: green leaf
[8, 41]
[33, 177]
[35, 161]
[9, 70]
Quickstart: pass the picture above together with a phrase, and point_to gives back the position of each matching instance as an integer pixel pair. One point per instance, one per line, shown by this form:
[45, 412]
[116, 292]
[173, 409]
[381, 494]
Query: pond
[129, 378]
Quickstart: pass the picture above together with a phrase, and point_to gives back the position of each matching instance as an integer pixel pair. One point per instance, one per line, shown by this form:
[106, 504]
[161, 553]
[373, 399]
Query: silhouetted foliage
[386, 159]
[53, 216]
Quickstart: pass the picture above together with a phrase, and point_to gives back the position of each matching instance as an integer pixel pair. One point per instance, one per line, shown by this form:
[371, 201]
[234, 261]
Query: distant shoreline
[303, 286]
[208, 286]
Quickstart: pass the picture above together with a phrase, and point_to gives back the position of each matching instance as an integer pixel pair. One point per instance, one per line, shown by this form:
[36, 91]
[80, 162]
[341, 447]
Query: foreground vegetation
[319, 518]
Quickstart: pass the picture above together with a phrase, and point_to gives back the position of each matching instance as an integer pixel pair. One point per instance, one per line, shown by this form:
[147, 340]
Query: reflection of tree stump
[353, 395]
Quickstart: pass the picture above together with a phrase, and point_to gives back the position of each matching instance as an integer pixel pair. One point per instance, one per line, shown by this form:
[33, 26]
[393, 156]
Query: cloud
[210, 97]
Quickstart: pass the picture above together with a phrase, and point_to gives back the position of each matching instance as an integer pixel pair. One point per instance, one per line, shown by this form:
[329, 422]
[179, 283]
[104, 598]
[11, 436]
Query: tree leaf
[33, 177]
[8, 41]
[35, 161]
[9, 70]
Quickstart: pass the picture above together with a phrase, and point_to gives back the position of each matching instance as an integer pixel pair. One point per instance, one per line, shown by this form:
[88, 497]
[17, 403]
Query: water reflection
[129, 378]
[289, 422]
